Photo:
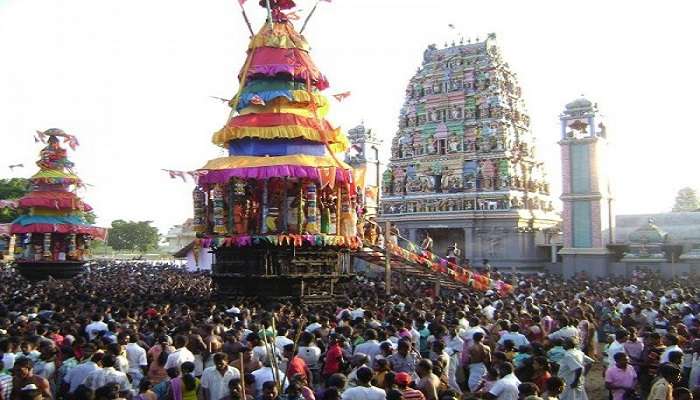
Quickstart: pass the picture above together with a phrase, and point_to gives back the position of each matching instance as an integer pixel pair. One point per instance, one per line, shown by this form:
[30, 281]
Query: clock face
[579, 129]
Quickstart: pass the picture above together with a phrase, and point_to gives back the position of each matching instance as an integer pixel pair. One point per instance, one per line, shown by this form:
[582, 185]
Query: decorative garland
[198, 222]
[351, 242]
[454, 271]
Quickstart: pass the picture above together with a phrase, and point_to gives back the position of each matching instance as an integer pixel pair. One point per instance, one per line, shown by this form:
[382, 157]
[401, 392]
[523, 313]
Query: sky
[132, 79]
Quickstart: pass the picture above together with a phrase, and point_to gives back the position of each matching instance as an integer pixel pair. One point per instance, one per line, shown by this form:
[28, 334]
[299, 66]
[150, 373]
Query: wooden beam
[387, 262]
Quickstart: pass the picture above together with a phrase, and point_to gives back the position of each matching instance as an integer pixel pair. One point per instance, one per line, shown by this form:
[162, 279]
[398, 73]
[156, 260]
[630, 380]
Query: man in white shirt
[566, 330]
[515, 336]
[359, 312]
[180, 355]
[370, 347]
[90, 363]
[108, 374]
[95, 327]
[364, 390]
[671, 342]
[215, 379]
[265, 374]
[488, 311]
[617, 346]
[282, 340]
[8, 348]
[506, 388]
[138, 361]
[257, 345]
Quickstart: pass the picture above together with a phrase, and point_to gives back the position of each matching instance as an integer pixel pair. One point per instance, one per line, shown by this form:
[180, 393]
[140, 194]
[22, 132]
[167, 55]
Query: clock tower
[588, 218]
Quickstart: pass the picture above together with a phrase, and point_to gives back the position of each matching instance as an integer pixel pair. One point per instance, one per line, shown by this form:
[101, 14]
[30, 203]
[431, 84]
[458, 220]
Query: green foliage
[686, 200]
[129, 235]
[11, 189]
[90, 217]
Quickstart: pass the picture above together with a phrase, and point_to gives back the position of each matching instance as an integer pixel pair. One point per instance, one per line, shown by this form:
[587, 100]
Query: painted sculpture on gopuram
[53, 236]
[464, 165]
[279, 212]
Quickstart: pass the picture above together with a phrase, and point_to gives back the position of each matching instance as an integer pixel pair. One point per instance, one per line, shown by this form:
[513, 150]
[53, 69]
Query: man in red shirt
[297, 365]
[403, 380]
[334, 356]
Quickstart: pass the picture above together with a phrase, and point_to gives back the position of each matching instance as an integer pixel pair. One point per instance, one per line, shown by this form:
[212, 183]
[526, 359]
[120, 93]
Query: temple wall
[667, 270]
[496, 240]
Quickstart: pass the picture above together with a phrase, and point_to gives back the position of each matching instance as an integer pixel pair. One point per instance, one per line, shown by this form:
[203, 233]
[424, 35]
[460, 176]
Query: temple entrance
[443, 238]
[438, 183]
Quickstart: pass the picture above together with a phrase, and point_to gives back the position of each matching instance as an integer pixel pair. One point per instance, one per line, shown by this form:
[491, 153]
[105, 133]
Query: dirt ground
[595, 383]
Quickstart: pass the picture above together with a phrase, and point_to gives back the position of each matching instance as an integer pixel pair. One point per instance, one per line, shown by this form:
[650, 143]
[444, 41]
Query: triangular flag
[342, 96]
[292, 16]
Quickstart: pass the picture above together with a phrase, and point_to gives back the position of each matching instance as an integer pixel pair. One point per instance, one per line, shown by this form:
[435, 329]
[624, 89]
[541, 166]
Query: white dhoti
[452, 373]
[476, 374]
[573, 394]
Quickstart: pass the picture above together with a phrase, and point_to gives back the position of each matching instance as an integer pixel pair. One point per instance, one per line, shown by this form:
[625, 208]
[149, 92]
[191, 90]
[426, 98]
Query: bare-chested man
[213, 341]
[479, 361]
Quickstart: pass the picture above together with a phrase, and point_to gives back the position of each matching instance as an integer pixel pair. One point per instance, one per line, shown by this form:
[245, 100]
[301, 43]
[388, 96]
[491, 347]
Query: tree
[686, 200]
[90, 217]
[11, 189]
[130, 235]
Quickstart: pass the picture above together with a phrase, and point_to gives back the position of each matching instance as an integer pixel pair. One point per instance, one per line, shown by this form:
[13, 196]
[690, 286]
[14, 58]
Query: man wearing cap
[403, 380]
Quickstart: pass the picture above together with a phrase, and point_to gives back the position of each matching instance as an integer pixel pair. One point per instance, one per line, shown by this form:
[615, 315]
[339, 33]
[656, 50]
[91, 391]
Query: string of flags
[71, 140]
[342, 96]
[184, 174]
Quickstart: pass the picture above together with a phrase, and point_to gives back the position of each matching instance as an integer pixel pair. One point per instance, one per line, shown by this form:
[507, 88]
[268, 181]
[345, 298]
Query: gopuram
[280, 211]
[53, 235]
[463, 163]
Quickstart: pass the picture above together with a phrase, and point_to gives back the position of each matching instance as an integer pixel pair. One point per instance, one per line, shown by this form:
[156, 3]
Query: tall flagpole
[306, 21]
[247, 21]
[269, 13]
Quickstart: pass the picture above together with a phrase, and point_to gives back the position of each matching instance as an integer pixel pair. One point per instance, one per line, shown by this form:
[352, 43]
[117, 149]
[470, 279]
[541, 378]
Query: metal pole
[269, 14]
[387, 255]
[379, 187]
[306, 21]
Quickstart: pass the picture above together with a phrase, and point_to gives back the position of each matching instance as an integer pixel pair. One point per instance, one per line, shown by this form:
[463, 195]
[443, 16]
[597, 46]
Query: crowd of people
[158, 332]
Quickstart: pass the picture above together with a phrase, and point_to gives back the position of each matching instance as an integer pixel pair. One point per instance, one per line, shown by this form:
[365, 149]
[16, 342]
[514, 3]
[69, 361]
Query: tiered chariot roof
[52, 206]
[280, 147]
[280, 128]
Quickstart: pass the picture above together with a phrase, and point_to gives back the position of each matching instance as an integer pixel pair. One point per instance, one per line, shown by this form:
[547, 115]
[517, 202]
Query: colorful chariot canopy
[277, 128]
[51, 206]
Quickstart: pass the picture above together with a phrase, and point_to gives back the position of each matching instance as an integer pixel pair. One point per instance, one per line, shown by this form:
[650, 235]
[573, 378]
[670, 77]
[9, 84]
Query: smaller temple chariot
[54, 236]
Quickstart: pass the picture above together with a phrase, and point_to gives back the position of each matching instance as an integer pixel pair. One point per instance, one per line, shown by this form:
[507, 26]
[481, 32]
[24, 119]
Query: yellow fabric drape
[282, 35]
[339, 142]
[281, 105]
[253, 162]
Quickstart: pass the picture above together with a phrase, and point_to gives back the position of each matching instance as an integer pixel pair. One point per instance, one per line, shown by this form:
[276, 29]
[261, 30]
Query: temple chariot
[53, 234]
[280, 211]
